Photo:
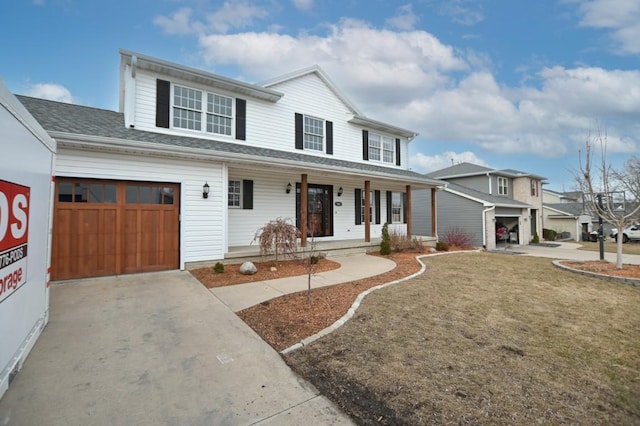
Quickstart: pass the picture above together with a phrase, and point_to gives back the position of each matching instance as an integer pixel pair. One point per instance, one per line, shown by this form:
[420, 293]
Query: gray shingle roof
[460, 169]
[81, 120]
[574, 209]
[491, 199]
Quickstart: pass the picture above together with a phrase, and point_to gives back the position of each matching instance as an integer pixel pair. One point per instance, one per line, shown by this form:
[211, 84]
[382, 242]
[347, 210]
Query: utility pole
[600, 228]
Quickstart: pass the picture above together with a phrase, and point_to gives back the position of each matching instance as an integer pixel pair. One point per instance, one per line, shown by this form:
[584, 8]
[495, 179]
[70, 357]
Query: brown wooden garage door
[105, 227]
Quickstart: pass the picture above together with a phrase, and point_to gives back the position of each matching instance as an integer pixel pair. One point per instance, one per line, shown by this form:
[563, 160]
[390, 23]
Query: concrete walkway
[569, 251]
[155, 349]
[352, 267]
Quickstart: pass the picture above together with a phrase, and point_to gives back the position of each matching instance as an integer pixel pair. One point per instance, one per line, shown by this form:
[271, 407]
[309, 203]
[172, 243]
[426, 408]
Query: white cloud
[405, 19]
[303, 4]
[465, 12]
[621, 17]
[230, 15]
[422, 163]
[413, 80]
[51, 91]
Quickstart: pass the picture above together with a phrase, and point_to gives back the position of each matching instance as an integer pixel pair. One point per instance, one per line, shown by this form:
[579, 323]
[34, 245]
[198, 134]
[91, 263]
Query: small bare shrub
[400, 242]
[458, 237]
[442, 246]
[278, 237]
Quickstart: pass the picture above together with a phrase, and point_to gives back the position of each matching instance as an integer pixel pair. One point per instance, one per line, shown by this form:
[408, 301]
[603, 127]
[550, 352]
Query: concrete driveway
[155, 349]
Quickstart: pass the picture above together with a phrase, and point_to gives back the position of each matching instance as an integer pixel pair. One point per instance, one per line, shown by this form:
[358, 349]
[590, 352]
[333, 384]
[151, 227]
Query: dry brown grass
[486, 339]
[610, 247]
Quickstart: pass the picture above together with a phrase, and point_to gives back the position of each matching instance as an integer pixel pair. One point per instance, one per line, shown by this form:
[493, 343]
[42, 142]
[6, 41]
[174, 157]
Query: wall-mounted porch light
[288, 187]
[340, 191]
[205, 190]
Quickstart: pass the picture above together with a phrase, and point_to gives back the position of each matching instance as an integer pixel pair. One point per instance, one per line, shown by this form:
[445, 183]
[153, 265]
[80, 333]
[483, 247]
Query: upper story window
[235, 193]
[381, 148]
[503, 186]
[187, 108]
[534, 188]
[188, 111]
[313, 133]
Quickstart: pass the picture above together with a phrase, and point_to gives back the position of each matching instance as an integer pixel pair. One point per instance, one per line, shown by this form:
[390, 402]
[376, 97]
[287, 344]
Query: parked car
[629, 233]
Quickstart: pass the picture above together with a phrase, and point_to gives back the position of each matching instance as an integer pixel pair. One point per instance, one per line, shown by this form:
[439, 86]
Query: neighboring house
[564, 213]
[131, 186]
[480, 201]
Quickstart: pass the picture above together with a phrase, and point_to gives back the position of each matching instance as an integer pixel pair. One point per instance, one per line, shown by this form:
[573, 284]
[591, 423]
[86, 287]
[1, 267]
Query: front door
[319, 210]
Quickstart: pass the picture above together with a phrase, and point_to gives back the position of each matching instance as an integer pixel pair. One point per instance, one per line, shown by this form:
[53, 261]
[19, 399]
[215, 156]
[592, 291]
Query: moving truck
[26, 203]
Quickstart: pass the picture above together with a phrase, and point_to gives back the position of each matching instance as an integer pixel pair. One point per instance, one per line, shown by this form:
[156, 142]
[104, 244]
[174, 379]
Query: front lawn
[485, 339]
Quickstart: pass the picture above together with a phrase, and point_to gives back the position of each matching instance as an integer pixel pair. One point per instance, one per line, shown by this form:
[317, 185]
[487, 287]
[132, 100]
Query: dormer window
[188, 111]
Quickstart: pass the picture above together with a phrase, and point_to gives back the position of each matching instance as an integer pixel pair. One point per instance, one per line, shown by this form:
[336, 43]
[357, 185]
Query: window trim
[534, 188]
[204, 111]
[504, 187]
[400, 207]
[381, 150]
[239, 193]
[321, 135]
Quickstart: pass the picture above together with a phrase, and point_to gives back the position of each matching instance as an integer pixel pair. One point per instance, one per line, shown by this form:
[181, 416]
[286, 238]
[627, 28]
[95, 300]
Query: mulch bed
[606, 268]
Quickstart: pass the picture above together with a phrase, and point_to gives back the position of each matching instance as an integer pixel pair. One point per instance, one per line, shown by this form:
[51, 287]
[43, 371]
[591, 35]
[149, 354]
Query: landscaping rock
[273, 269]
[248, 268]
[432, 250]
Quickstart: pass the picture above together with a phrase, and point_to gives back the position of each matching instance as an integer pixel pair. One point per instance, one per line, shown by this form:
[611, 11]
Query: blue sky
[507, 84]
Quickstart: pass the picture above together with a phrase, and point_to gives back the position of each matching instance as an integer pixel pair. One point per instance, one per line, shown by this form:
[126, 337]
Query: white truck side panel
[26, 200]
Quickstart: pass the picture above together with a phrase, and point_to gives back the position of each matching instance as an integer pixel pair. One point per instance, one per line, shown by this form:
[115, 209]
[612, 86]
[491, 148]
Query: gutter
[484, 224]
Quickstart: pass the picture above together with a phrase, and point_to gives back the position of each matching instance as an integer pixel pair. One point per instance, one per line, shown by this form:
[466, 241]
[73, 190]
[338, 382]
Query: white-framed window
[534, 188]
[396, 208]
[189, 108]
[503, 186]
[381, 148]
[313, 133]
[371, 209]
[235, 193]
[219, 114]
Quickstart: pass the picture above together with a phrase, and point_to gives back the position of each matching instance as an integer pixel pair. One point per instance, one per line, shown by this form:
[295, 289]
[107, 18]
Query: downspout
[490, 185]
[484, 224]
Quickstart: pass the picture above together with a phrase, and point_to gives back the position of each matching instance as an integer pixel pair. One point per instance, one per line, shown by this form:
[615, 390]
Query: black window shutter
[358, 204]
[299, 131]
[163, 95]
[389, 201]
[329, 125]
[241, 119]
[376, 195]
[247, 195]
[365, 145]
[397, 152]
[404, 207]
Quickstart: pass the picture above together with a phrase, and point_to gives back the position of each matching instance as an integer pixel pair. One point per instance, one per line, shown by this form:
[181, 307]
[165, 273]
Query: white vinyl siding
[202, 220]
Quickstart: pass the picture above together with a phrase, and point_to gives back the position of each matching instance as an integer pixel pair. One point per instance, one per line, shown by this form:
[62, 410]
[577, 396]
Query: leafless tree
[602, 185]
[280, 237]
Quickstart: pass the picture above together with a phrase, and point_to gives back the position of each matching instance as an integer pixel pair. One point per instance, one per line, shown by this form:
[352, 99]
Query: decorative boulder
[432, 250]
[248, 268]
[273, 269]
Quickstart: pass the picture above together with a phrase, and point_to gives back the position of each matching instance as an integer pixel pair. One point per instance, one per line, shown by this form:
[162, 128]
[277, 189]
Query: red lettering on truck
[14, 215]
[10, 281]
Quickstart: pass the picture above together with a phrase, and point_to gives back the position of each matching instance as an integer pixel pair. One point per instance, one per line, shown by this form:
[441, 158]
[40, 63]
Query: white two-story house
[491, 206]
[193, 164]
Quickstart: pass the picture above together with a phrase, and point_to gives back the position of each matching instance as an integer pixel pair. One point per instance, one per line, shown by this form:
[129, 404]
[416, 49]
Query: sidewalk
[569, 251]
[352, 267]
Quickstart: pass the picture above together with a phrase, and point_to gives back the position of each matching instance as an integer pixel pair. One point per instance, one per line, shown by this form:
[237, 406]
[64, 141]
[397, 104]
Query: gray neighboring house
[564, 212]
[479, 200]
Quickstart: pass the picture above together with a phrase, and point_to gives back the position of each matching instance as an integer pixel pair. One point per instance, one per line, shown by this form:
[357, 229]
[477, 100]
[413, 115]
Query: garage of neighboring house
[109, 227]
[510, 219]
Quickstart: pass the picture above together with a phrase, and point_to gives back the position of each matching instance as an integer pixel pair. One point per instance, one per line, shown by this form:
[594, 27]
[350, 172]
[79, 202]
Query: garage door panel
[122, 234]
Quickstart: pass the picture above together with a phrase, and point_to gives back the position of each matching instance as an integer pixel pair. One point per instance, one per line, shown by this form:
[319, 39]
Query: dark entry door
[319, 210]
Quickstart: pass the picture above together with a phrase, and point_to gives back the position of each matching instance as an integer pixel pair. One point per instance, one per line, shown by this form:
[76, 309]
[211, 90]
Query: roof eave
[383, 127]
[191, 74]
